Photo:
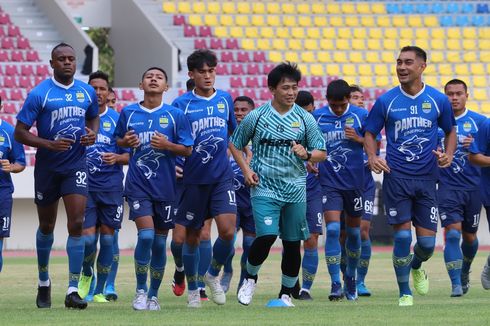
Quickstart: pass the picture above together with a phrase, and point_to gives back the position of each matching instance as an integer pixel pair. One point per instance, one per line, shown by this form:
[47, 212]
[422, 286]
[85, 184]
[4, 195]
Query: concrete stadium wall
[138, 46]
[90, 13]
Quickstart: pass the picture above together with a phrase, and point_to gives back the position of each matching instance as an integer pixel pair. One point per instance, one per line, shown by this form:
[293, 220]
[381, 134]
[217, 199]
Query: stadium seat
[381, 81]
[388, 57]
[221, 31]
[375, 33]
[304, 68]
[289, 21]
[365, 70]
[348, 8]
[327, 44]
[16, 95]
[199, 7]
[437, 44]
[42, 70]
[349, 70]
[265, 95]
[298, 32]
[253, 69]
[236, 31]
[195, 20]
[251, 32]
[373, 44]
[179, 20]
[363, 8]
[352, 21]
[216, 44]
[213, 7]
[452, 8]
[318, 8]
[320, 21]
[26, 70]
[313, 33]
[317, 70]
[430, 21]
[368, 21]
[205, 31]
[7, 43]
[422, 8]
[303, 9]
[453, 44]
[228, 7]
[356, 57]
[237, 69]
[461, 69]
[291, 56]
[227, 56]
[236, 82]
[25, 82]
[470, 56]
[372, 56]
[267, 67]
[359, 33]
[250, 93]
[275, 56]
[480, 94]
[23, 43]
[310, 44]
[273, 8]
[4, 18]
[252, 82]
[317, 81]
[259, 56]
[365, 81]
[317, 94]
[279, 44]
[336, 21]
[9, 108]
[184, 7]
[282, 32]
[329, 33]
[342, 44]
[477, 20]
[258, 8]
[308, 57]
[258, 21]
[384, 21]
[462, 20]
[446, 21]
[479, 81]
[437, 57]
[234, 93]
[344, 32]
[422, 33]
[333, 8]
[211, 20]
[415, 21]
[242, 20]
[267, 32]
[340, 57]
[190, 31]
[482, 8]
[323, 57]
[11, 70]
[477, 68]
[470, 45]
[399, 21]
[381, 70]
[243, 56]
[169, 7]
[200, 43]
[231, 44]
[378, 8]
[227, 20]
[222, 69]
[392, 8]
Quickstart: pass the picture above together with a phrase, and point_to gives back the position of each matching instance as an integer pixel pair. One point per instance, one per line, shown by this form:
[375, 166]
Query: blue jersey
[212, 120]
[481, 145]
[368, 174]
[344, 167]
[151, 173]
[461, 174]
[60, 111]
[411, 124]
[242, 191]
[9, 150]
[103, 176]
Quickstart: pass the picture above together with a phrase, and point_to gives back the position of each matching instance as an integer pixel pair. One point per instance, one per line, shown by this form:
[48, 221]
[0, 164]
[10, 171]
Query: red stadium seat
[250, 93]
[378, 92]
[267, 67]
[216, 44]
[222, 69]
[7, 43]
[4, 56]
[259, 56]
[120, 106]
[302, 83]
[2, 32]
[263, 80]
[11, 70]
[367, 94]
[13, 31]
[265, 95]
[234, 93]
[190, 31]
[179, 20]
[236, 82]
[128, 95]
[237, 69]
[9, 118]
[9, 82]
[253, 69]
[316, 81]
[10, 108]
[23, 43]
[32, 160]
[227, 56]
[242, 56]
[42, 70]
[200, 43]
[317, 94]
[252, 82]
[17, 56]
[25, 82]
[231, 44]
[16, 95]
[3, 93]
[32, 56]
[38, 80]
[4, 18]
[205, 31]
[26, 70]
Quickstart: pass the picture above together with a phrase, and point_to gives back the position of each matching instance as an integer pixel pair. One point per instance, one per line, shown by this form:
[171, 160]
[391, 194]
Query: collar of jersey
[204, 97]
[152, 110]
[412, 96]
[105, 111]
[282, 116]
[464, 113]
[61, 85]
[346, 111]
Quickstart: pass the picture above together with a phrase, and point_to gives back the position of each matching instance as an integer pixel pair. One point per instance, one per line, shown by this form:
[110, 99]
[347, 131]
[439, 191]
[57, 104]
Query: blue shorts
[199, 202]
[368, 196]
[104, 207]
[411, 200]
[349, 201]
[50, 186]
[459, 206]
[487, 210]
[161, 211]
[245, 218]
[275, 217]
[314, 212]
[5, 214]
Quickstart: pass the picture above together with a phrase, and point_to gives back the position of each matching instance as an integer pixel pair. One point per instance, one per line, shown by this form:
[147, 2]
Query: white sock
[71, 289]
[44, 283]
[179, 269]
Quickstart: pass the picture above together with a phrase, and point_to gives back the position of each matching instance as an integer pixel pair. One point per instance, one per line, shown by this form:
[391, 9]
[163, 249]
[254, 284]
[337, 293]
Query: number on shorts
[119, 212]
[434, 215]
[231, 194]
[476, 220]
[368, 206]
[358, 203]
[320, 218]
[169, 210]
[6, 222]
[81, 178]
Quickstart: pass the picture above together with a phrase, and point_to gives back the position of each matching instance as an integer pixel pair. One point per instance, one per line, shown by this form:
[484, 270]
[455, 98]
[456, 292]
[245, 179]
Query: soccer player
[411, 114]
[314, 215]
[283, 137]
[207, 175]
[104, 209]
[458, 193]
[480, 155]
[156, 133]
[342, 181]
[111, 99]
[356, 96]
[243, 105]
[12, 160]
[66, 114]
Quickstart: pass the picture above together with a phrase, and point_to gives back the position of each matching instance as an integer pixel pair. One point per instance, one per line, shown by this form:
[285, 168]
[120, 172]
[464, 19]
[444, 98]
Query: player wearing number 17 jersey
[156, 133]
[411, 115]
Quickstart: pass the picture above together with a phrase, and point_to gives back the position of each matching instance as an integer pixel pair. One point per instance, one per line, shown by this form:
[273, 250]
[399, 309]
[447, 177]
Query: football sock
[332, 250]
[205, 254]
[104, 261]
[310, 266]
[353, 249]
[290, 265]
[221, 250]
[142, 254]
[190, 257]
[246, 244]
[362, 267]
[228, 266]
[44, 242]
[90, 251]
[423, 250]
[469, 250]
[176, 249]
[453, 256]
[157, 264]
[111, 278]
[74, 249]
[402, 260]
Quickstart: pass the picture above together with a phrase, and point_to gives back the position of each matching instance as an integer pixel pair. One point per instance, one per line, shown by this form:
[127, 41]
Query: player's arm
[479, 159]
[16, 161]
[376, 163]
[480, 146]
[315, 156]
[114, 158]
[352, 135]
[251, 178]
[91, 129]
[24, 136]
[445, 158]
[160, 141]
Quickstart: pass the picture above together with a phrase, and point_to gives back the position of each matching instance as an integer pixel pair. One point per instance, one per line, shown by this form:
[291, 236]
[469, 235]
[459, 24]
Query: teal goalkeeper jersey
[282, 175]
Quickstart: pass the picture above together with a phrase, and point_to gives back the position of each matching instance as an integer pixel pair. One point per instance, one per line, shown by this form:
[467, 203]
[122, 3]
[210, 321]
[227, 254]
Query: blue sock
[246, 244]
[228, 266]
[423, 250]
[309, 266]
[90, 244]
[142, 257]
[176, 249]
[332, 251]
[104, 261]
[190, 257]
[157, 265]
[44, 242]
[1, 256]
[352, 249]
[221, 251]
[74, 248]
[469, 252]
[111, 278]
[402, 260]
[205, 255]
[343, 259]
[453, 257]
[362, 267]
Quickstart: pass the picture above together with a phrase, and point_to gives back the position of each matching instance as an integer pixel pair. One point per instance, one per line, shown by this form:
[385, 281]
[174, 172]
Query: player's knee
[75, 227]
[453, 236]
[403, 237]
[469, 237]
[425, 247]
[267, 241]
[145, 237]
[353, 232]
[333, 230]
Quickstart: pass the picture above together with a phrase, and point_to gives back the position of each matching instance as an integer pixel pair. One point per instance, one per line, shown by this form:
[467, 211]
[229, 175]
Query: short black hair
[200, 57]
[99, 75]
[155, 68]
[456, 82]
[282, 71]
[304, 98]
[111, 90]
[415, 49]
[61, 45]
[244, 98]
[355, 88]
[190, 84]
[337, 90]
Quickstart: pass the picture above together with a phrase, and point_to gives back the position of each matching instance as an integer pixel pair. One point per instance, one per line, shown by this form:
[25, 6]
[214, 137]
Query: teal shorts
[275, 217]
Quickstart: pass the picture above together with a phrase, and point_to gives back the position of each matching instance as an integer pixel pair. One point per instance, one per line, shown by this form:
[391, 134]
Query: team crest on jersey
[106, 126]
[467, 126]
[412, 148]
[349, 122]
[2, 140]
[80, 97]
[426, 107]
[163, 122]
[221, 107]
[268, 220]
[208, 147]
[295, 126]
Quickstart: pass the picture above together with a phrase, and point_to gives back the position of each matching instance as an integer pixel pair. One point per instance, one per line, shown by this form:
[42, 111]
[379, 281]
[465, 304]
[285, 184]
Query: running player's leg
[90, 247]
[363, 266]
[178, 238]
[485, 274]
[104, 261]
[5, 218]
[110, 287]
[205, 254]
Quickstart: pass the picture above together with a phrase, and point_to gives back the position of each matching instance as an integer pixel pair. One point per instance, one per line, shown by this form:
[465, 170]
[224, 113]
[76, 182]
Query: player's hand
[312, 168]
[251, 178]
[378, 165]
[467, 141]
[179, 172]
[443, 159]
[299, 150]
[6, 166]
[89, 138]
[109, 158]
[130, 139]
[61, 144]
[351, 134]
[159, 141]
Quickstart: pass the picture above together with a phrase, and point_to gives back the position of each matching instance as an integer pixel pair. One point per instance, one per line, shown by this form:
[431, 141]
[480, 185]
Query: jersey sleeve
[314, 137]
[184, 132]
[93, 109]
[17, 155]
[482, 139]
[243, 133]
[120, 130]
[31, 109]
[446, 119]
[231, 115]
[376, 118]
